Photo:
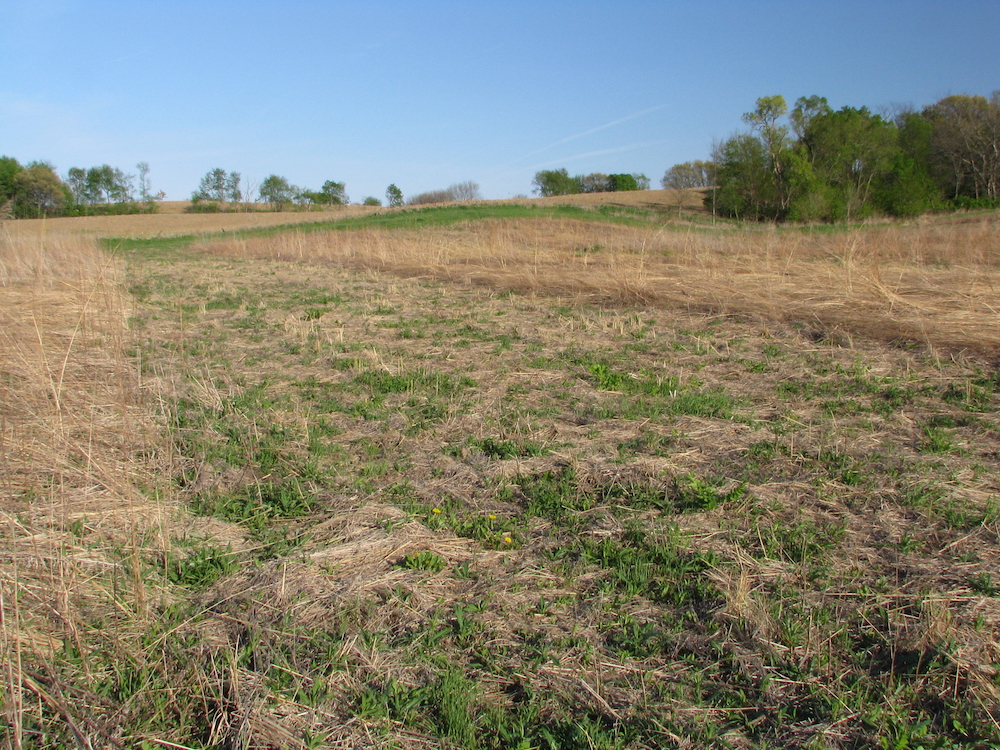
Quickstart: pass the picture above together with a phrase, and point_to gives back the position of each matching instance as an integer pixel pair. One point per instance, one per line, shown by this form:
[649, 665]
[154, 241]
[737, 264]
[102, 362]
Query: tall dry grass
[172, 223]
[77, 455]
[934, 283]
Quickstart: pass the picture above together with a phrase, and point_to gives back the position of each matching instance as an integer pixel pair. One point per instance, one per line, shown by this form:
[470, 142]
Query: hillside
[171, 219]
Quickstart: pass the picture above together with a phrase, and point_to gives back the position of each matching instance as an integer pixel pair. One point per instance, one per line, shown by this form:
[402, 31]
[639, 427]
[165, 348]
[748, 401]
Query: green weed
[202, 565]
[423, 560]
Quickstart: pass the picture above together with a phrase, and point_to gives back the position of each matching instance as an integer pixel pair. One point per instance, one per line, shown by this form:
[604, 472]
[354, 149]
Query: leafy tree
[641, 180]
[550, 182]
[807, 109]
[764, 121]
[331, 194]
[393, 195]
[909, 189]
[101, 186]
[595, 182]
[76, 180]
[212, 187]
[9, 168]
[233, 187]
[336, 193]
[747, 188]
[39, 191]
[277, 191]
[849, 163]
[106, 184]
[621, 182]
[852, 151]
[371, 200]
[811, 197]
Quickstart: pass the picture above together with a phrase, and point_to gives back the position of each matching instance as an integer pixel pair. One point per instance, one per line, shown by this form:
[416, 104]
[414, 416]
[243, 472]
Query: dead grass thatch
[933, 284]
[77, 449]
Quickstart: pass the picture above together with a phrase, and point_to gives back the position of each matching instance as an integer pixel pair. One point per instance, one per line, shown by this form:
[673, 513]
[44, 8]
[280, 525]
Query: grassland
[520, 475]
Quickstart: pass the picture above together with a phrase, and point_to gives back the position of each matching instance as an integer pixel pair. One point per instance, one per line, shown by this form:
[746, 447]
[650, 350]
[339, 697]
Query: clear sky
[427, 94]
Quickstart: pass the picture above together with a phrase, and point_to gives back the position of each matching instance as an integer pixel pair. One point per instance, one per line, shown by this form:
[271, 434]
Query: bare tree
[683, 178]
[465, 191]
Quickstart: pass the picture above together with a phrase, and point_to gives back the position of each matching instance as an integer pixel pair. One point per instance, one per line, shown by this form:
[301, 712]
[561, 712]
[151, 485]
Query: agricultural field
[510, 475]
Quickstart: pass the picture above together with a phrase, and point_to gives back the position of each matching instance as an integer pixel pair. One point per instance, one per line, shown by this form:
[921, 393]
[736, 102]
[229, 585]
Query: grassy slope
[430, 514]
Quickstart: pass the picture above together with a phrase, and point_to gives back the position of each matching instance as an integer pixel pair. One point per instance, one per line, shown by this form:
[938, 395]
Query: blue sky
[427, 94]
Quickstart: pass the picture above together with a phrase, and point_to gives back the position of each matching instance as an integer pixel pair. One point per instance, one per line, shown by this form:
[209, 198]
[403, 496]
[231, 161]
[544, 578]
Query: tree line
[550, 182]
[807, 163]
[220, 190]
[814, 163]
[35, 190]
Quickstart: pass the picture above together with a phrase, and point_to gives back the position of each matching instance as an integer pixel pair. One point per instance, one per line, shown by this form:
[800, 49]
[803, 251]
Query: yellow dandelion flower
[436, 510]
[493, 517]
[507, 540]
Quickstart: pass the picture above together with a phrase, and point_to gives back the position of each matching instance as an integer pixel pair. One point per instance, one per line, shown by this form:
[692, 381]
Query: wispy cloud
[599, 128]
[602, 152]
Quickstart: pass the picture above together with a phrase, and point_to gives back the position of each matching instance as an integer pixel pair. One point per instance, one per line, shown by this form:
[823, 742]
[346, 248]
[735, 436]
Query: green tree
[909, 189]
[336, 193]
[277, 191]
[212, 187]
[393, 196]
[550, 182]
[807, 109]
[105, 185]
[331, 194]
[811, 197]
[9, 168]
[76, 179]
[852, 151]
[234, 187]
[371, 200]
[747, 187]
[622, 182]
[38, 191]
[764, 121]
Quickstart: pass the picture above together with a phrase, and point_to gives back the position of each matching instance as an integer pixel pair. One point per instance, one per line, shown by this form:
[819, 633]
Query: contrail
[587, 155]
[606, 125]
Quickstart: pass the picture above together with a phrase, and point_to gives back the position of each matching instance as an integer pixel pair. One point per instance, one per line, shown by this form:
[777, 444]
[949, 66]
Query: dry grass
[172, 223]
[933, 283]
[170, 219]
[76, 445]
[308, 331]
[268, 354]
